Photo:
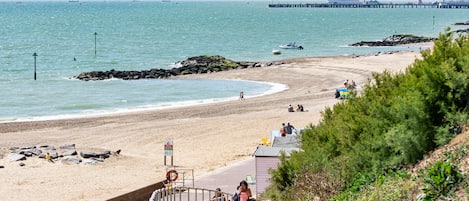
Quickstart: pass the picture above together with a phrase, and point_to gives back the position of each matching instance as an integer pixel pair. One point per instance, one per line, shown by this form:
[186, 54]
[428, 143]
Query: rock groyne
[193, 65]
[400, 39]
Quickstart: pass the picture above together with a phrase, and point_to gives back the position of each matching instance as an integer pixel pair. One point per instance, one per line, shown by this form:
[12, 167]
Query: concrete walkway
[228, 178]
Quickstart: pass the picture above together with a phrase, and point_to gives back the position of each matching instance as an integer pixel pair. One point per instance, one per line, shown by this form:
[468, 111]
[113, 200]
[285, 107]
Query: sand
[206, 137]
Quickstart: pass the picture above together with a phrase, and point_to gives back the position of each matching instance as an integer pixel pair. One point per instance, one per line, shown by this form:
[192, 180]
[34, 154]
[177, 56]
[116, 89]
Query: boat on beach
[291, 45]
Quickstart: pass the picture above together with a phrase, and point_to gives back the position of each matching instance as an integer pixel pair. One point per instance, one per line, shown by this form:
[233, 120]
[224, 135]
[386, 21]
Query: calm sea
[144, 35]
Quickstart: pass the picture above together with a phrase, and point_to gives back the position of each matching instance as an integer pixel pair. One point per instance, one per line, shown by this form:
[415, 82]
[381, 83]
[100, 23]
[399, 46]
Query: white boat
[276, 52]
[291, 45]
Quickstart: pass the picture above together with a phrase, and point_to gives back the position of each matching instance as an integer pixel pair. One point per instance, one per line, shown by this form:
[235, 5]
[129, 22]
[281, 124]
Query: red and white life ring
[172, 175]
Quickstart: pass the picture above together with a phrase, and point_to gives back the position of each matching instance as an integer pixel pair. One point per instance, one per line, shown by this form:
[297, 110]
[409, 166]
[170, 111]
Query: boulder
[70, 152]
[1, 166]
[16, 157]
[53, 155]
[192, 65]
[399, 39]
[50, 148]
[88, 154]
[21, 164]
[36, 152]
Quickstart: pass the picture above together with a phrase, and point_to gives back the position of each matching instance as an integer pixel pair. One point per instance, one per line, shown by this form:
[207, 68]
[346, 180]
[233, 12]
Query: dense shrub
[397, 119]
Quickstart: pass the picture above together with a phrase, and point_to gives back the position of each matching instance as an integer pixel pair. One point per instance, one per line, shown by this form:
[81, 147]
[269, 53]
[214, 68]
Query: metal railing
[185, 177]
[188, 194]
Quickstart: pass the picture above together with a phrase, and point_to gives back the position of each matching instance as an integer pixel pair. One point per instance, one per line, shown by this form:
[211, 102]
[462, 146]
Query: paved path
[228, 178]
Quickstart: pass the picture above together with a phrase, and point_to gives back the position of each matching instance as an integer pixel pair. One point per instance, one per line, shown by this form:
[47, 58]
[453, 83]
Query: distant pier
[450, 5]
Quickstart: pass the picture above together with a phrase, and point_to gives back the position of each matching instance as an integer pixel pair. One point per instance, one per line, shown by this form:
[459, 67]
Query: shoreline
[206, 137]
[274, 88]
[190, 103]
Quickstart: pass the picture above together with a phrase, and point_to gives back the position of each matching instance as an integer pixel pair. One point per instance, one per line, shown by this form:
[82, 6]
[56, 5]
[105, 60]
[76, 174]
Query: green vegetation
[363, 142]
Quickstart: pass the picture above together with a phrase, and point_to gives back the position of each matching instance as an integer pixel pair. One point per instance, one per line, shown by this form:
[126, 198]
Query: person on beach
[289, 128]
[244, 191]
[282, 130]
[241, 95]
[235, 194]
[290, 108]
[48, 159]
[218, 196]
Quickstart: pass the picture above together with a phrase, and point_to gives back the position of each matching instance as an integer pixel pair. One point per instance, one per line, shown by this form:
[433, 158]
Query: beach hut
[268, 157]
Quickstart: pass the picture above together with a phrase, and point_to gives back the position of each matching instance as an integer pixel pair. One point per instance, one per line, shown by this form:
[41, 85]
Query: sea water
[145, 35]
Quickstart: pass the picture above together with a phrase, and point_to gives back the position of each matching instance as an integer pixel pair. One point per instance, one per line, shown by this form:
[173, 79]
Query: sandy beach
[206, 137]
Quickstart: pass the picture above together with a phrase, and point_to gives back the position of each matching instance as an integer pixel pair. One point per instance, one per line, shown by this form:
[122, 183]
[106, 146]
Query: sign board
[168, 148]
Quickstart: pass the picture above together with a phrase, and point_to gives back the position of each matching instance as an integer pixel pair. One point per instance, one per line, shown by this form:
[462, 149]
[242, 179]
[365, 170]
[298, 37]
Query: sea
[74, 37]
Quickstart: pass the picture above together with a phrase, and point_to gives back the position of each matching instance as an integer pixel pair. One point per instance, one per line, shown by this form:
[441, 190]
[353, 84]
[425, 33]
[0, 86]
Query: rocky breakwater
[65, 154]
[193, 65]
[400, 39]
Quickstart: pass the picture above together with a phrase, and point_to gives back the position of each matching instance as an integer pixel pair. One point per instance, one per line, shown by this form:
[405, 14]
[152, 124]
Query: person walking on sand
[244, 192]
[241, 95]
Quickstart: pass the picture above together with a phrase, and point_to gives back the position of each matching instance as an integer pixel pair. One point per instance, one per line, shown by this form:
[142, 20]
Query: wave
[89, 110]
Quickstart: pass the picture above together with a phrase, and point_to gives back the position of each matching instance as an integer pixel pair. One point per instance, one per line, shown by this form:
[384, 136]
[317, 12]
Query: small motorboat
[276, 52]
[291, 45]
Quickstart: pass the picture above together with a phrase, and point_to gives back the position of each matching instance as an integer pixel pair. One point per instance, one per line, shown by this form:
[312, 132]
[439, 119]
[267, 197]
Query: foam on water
[274, 88]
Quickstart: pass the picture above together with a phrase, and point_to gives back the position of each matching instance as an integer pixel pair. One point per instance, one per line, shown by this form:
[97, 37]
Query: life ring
[172, 172]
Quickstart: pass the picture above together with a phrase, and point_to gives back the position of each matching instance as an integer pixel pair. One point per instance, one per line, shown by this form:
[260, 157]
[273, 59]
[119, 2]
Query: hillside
[364, 147]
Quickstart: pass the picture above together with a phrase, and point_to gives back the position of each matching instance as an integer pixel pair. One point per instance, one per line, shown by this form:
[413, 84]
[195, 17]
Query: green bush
[441, 180]
[397, 119]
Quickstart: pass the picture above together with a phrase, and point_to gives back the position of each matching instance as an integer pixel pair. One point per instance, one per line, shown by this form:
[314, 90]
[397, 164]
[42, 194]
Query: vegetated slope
[396, 121]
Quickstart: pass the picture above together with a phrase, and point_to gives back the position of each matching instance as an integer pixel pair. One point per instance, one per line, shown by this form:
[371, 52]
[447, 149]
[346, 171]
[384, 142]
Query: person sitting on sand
[218, 196]
[290, 108]
[244, 192]
[301, 108]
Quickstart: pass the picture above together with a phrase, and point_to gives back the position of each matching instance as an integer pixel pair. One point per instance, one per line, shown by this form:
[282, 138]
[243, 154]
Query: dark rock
[50, 148]
[70, 152]
[27, 153]
[53, 155]
[462, 23]
[192, 65]
[36, 152]
[394, 40]
[21, 164]
[87, 154]
[42, 155]
[1, 166]
[71, 160]
[16, 157]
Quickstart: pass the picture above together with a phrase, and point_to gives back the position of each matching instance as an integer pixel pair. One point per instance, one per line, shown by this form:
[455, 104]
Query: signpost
[168, 150]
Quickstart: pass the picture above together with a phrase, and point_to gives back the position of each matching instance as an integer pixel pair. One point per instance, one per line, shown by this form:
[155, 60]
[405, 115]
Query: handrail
[179, 193]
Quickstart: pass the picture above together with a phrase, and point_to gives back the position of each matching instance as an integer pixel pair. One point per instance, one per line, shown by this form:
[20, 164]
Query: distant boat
[291, 45]
[276, 52]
